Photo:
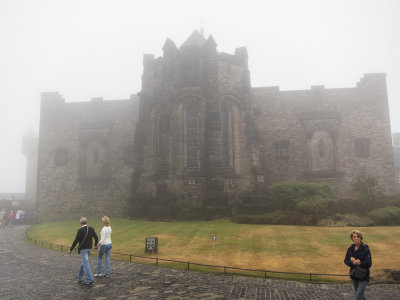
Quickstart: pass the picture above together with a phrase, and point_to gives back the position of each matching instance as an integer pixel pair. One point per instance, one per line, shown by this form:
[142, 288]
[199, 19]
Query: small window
[361, 147]
[192, 181]
[282, 150]
[321, 147]
[61, 158]
[128, 155]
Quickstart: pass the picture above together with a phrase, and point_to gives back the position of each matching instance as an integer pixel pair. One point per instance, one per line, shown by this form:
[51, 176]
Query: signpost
[151, 245]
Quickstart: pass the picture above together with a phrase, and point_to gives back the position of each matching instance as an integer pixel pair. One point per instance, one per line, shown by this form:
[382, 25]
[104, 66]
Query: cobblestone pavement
[32, 272]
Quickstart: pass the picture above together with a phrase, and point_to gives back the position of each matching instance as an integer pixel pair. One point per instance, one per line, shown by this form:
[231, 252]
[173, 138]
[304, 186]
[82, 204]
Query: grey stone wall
[344, 119]
[85, 156]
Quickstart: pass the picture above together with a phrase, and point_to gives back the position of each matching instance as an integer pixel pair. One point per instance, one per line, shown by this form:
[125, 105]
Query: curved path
[31, 272]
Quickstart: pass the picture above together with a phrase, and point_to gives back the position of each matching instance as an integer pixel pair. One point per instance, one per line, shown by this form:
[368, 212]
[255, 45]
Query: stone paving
[31, 272]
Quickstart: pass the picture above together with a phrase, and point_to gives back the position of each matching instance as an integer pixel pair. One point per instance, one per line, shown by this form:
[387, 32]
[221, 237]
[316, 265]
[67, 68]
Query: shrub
[367, 189]
[326, 222]
[354, 220]
[288, 194]
[276, 218]
[316, 206]
[393, 200]
[346, 206]
[388, 215]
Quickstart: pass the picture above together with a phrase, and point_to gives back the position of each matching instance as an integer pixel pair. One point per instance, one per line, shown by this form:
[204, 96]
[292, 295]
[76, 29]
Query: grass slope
[305, 249]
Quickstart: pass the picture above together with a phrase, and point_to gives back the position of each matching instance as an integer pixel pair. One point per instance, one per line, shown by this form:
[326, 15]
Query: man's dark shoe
[89, 282]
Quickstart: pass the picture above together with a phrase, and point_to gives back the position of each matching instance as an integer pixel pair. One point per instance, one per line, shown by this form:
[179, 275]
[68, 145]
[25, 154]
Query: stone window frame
[83, 173]
[163, 149]
[128, 155]
[182, 103]
[230, 114]
[362, 147]
[194, 150]
[61, 156]
[282, 150]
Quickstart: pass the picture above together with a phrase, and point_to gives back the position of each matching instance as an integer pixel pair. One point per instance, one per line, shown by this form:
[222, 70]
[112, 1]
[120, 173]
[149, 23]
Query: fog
[94, 48]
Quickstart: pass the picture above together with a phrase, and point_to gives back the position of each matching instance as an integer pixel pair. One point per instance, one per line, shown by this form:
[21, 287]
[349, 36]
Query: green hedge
[388, 215]
[286, 195]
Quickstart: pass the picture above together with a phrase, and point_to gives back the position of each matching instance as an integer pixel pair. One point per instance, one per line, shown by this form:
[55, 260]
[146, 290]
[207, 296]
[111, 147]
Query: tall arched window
[163, 144]
[191, 134]
[225, 149]
[321, 151]
[229, 130]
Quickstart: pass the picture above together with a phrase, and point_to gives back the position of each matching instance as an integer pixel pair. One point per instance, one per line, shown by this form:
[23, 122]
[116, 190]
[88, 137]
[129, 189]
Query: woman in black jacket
[358, 254]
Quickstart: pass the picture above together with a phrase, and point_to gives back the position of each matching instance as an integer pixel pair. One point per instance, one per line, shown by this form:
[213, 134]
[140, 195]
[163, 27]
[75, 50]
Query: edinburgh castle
[198, 137]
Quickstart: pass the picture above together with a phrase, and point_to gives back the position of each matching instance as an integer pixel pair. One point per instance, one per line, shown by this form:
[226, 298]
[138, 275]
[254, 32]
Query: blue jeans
[84, 269]
[359, 287]
[104, 249]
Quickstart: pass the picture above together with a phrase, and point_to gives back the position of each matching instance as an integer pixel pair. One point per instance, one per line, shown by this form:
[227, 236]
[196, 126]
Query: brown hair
[105, 220]
[357, 232]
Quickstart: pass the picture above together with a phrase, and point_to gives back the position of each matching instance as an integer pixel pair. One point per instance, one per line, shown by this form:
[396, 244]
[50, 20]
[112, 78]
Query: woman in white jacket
[105, 247]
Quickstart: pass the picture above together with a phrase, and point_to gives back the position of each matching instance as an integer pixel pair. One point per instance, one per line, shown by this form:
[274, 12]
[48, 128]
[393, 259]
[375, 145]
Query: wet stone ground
[31, 272]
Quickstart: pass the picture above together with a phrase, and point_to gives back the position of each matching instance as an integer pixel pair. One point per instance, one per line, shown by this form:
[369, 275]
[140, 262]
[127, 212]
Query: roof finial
[202, 26]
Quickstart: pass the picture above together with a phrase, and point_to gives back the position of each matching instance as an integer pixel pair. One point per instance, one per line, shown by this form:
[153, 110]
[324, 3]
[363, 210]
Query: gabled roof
[196, 39]
[169, 44]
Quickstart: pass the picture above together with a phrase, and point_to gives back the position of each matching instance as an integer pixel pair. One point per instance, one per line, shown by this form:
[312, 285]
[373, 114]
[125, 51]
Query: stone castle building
[198, 136]
[30, 150]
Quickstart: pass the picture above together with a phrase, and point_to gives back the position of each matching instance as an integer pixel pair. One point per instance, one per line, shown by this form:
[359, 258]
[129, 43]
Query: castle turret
[195, 112]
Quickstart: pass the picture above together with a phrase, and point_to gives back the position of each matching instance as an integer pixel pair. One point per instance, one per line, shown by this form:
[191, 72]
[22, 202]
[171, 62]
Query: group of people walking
[84, 237]
[10, 218]
[358, 256]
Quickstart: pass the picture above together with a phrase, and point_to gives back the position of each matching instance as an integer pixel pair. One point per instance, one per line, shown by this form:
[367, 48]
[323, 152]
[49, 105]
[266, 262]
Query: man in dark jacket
[84, 236]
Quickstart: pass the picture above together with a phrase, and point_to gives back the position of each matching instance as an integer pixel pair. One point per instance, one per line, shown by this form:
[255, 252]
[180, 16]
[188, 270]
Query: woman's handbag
[358, 273]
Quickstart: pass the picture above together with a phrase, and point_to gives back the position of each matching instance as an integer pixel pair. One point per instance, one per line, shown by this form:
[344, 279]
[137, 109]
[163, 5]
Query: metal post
[310, 277]
[188, 265]
[157, 262]
[130, 258]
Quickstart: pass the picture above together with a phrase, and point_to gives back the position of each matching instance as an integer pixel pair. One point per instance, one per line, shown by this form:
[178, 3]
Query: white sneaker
[98, 275]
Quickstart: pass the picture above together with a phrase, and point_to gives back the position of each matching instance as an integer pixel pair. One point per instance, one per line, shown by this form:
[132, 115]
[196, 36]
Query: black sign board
[151, 245]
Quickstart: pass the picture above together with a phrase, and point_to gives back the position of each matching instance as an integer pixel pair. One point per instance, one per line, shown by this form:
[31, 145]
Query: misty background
[94, 48]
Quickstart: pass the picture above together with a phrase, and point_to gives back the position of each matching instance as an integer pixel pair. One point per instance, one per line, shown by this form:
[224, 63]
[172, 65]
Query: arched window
[94, 159]
[229, 119]
[225, 141]
[191, 136]
[163, 144]
[321, 151]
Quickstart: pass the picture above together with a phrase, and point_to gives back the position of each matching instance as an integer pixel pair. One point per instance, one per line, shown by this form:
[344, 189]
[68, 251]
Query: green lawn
[305, 249]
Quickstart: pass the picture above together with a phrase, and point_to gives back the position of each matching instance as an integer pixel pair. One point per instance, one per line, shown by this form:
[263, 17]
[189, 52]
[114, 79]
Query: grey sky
[94, 48]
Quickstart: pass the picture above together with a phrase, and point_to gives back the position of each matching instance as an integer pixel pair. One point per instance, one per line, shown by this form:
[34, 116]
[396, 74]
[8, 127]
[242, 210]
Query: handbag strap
[87, 230]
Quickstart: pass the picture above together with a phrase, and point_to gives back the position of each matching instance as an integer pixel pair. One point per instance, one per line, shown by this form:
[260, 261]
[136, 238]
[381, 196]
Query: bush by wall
[388, 215]
[286, 195]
